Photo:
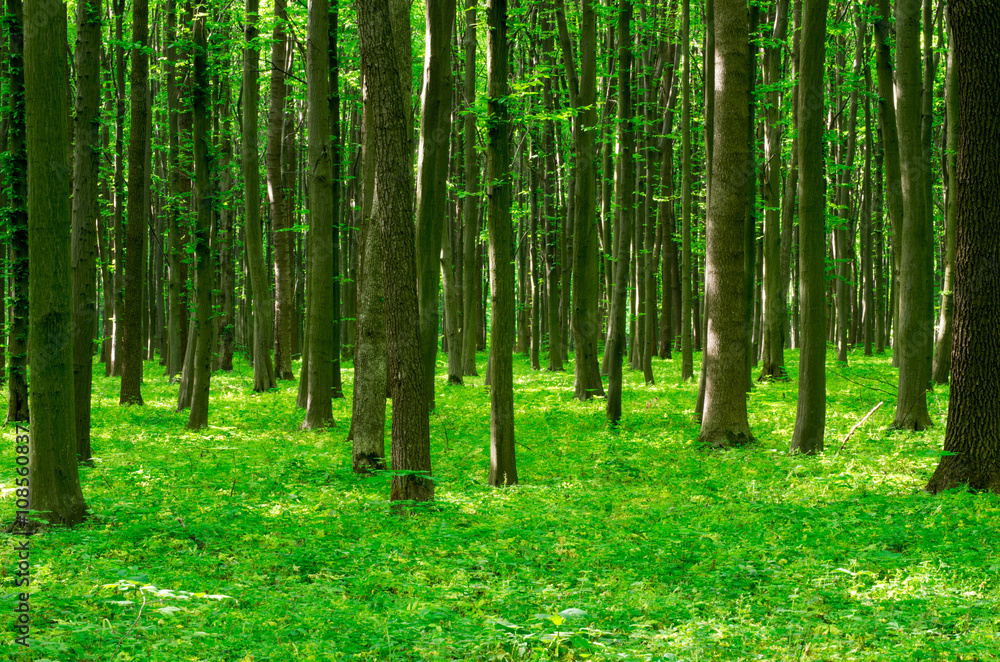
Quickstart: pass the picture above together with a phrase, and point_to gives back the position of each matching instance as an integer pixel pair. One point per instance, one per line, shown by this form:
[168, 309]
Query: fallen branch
[856, 426]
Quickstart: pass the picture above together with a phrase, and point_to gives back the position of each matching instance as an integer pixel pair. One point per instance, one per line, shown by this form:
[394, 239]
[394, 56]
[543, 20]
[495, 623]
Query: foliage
[632, 544]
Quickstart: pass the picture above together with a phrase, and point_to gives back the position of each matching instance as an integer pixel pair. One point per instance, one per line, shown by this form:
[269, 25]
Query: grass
[618, 545]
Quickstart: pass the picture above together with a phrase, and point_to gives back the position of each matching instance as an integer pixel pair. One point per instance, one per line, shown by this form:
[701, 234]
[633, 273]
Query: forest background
[562, 205]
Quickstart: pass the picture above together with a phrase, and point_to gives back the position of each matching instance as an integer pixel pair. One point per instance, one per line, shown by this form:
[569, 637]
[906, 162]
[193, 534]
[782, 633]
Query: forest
[500, 330]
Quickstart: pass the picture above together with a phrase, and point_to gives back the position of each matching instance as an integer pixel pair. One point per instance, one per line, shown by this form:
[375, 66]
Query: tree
[972, 437]
[724, 422]
[263, 369]
[277, 193]
[393, 206]
[135, 265]
[470, 203]
[54, 478]
[916, 319]
[17, 346]
[810, 419]
[201, 365]
[585, 319]
[942, 352]
[86, 145]
[432, 177]
[687, 356]
[503, 466]
[319, 410]
[624, 192]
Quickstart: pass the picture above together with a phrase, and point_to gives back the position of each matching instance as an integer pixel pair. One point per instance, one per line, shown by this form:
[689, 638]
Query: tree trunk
[86, 144]
[263, 369]
[432, 177]
[336, 151]
[724, 422]
[942, 353]
[972, 438]
[118, 231]
[319, 404]
[773, 346]
[281, 219]
[17, 346]
[503, 466]
[916, 314]
[55, 492]
[138, 212]
[201, 372]
[177, 258]
[811, 413]
[393, 213]
[687, 355]
[624, 194]
[470, 203]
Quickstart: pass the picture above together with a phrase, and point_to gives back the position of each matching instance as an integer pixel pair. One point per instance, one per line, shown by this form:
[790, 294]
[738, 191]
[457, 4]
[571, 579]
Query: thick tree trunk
[972, 438]
[55, 492]
[319, 403]
[432, 177]
[86, 144]
[201, 365]
[138, 212]
[916, 312]
[810, 417]
[393, 213]
[724, 422]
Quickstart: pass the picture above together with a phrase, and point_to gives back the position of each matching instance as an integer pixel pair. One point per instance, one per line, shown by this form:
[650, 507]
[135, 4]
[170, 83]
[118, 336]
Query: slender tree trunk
[138, 212]
[687, 355]
[118, 231]
[319, 405]
[86, 144]
[277, 193]
[263, 369]
[624, 193]
[201, 372]
[432, 177]
[811, 414]
[336, 152]
[55, 493]
[773, 346]
[942, 353]
[17, 346]
[470, 203]
[503, 466]
[972, 438]
[916, 319]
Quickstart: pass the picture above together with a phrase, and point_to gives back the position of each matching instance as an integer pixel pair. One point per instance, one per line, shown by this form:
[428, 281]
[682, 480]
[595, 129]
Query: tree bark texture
[319, 404]
[138, 212]
[915, 344]
[392, 209]
[86, 145]
[972, 436]
[724, 421]
[54, 478]
[432, 177]
[470, 203]
[810, 418]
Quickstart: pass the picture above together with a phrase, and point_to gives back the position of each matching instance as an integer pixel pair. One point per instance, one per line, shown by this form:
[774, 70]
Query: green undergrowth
[253, 541]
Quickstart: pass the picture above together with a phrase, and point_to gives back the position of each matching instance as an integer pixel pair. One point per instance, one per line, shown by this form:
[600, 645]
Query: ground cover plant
[252, 540]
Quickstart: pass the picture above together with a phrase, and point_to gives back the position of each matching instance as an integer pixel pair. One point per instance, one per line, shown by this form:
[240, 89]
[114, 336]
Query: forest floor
[254, 541]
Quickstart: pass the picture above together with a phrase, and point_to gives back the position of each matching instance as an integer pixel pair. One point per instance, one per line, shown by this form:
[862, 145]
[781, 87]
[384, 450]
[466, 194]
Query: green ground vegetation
[254, 541]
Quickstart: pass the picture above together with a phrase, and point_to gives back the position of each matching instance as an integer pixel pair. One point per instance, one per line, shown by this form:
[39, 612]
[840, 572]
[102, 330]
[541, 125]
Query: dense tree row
[523, 185]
